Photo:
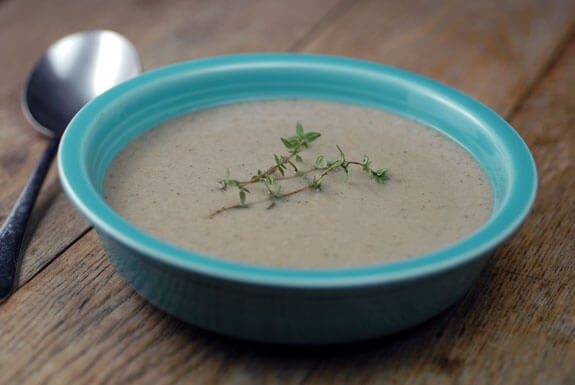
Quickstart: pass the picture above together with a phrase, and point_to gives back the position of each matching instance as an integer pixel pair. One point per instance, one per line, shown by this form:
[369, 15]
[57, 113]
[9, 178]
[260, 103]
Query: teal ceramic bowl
[291, 306]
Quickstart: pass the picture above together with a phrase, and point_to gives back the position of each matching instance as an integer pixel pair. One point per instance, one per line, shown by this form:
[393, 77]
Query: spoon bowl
[72, 72]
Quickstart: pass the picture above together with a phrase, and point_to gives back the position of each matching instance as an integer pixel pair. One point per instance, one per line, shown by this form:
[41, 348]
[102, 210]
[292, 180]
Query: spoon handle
[14, 228]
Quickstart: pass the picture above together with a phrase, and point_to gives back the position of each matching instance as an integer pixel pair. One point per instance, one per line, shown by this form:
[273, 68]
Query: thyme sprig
[295, 145]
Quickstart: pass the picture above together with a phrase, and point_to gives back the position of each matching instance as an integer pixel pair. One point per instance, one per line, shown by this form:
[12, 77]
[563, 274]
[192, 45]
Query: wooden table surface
[74, 321]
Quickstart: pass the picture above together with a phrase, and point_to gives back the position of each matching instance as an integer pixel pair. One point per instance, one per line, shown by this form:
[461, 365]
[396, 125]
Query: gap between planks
[330, 17]
[562, 45]
[59, 253]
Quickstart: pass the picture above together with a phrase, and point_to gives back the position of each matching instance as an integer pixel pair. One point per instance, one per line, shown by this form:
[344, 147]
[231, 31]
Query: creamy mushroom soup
[166, 183]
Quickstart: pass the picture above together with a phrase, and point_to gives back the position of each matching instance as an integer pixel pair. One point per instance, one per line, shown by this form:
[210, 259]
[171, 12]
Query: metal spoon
[72, 72]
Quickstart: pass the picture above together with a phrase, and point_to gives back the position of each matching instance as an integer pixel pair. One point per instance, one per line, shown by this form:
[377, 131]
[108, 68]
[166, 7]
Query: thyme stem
[295, 145]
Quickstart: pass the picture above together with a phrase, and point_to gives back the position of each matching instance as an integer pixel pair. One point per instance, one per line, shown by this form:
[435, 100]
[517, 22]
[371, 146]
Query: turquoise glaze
[290, 305]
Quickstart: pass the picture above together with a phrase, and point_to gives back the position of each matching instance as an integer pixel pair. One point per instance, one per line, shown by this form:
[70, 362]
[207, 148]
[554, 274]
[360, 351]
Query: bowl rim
[79, 188]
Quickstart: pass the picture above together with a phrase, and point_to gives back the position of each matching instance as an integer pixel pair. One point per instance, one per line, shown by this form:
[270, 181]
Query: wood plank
[492, 51]
[516, 326]
[164, 32]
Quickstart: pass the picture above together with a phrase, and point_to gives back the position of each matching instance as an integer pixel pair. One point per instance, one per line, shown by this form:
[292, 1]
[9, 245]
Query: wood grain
[75, 321]
[491, 50]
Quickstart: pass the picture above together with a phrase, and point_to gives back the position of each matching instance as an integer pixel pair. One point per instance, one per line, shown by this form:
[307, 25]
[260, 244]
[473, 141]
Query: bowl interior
[115, 118]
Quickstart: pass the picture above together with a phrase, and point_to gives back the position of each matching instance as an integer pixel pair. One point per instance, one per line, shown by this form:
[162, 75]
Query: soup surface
[166, 183]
